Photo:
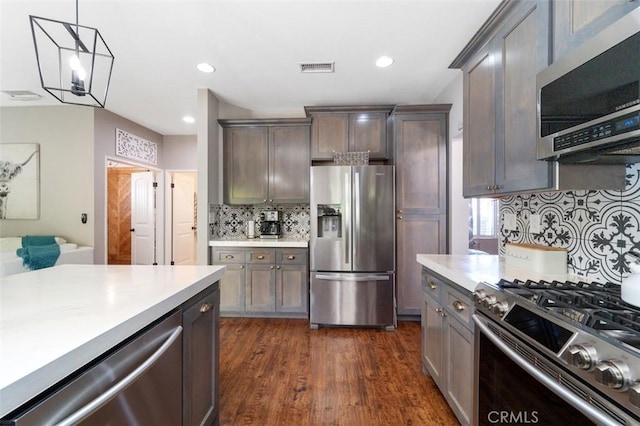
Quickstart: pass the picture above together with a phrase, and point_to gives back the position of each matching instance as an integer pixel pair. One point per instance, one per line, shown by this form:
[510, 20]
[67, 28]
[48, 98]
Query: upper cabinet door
[246, 165]
[289, 163]
[523, 47]
[478, 144]
[368, 132]
[329, 134]
[575, 21]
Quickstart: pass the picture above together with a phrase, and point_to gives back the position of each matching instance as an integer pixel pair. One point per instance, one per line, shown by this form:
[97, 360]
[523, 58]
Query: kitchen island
[54, 321]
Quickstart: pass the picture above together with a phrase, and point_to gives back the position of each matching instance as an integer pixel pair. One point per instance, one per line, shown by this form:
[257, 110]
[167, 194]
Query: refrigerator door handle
[356, 215]
[346, 232]
[347, 278]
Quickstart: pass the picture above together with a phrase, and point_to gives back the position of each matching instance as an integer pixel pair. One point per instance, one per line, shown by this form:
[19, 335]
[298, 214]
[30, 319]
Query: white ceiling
[256, 48]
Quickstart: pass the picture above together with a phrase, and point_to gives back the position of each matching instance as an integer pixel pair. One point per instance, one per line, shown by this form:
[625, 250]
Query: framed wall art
[19, 180]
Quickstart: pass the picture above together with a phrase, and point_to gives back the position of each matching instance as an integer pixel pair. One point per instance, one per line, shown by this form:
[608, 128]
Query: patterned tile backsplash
[596, 227]
[230, 222]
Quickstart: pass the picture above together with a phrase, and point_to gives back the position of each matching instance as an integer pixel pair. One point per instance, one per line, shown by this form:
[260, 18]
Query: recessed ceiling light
[384, 61]
[204, 67]
[188, 119]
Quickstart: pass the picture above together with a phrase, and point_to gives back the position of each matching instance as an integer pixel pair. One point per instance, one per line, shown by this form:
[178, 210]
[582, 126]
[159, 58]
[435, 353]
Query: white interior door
[184, 218]
[142, 218]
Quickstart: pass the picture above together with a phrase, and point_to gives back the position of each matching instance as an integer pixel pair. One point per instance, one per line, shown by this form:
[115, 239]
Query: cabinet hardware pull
[458, 305]
[228, 256]
[438, 310]
[241, 266]
[291, 257]
[432, 285]
[443, 313]
[260, 257]
[206, 307]
[271, 267]
[278, 267]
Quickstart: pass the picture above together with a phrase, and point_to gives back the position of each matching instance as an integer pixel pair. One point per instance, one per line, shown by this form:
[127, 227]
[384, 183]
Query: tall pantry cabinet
[420, 134]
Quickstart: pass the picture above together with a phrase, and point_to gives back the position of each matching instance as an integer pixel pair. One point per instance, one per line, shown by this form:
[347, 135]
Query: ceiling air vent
[309, 67]
[22, 95]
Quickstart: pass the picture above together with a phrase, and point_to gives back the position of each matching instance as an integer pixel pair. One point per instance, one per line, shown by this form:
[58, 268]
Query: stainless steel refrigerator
[352, 246]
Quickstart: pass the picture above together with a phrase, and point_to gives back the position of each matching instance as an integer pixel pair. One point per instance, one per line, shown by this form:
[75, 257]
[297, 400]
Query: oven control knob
[613, 373]
[584, 356]
[634, 394]
[489, 301]
[479, 295]
[500, 308]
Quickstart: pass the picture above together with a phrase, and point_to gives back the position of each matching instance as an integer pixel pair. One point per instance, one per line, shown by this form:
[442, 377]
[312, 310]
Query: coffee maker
[270, 226]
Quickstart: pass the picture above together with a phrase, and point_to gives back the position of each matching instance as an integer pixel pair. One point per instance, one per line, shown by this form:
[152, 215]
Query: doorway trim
[160, 203]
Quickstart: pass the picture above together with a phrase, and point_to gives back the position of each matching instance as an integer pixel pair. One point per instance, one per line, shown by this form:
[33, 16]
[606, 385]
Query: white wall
[180, 152]
[458, 206]
[65, 135]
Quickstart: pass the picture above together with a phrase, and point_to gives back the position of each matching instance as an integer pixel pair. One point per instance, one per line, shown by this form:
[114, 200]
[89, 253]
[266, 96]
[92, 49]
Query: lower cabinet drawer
[458, 305]
[291, 257]
[228, 256]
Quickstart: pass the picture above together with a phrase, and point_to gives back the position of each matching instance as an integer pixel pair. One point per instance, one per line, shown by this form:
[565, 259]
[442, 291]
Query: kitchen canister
[630, 290]
[251, 229]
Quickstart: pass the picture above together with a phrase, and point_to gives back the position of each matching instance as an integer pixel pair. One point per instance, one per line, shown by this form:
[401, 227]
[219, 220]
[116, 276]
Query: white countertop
[468, 270]
[257, 242]
[55, 320]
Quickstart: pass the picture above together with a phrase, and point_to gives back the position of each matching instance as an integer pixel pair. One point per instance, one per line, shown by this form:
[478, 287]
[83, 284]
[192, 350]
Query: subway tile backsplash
[596, 227]
[229, 222]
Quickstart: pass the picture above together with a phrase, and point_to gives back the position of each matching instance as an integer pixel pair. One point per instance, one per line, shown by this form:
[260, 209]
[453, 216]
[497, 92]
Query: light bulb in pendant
[78, 74]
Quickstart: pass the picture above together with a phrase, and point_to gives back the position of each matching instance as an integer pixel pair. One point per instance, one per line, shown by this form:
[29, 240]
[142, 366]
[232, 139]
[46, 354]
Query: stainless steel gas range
[556, 353]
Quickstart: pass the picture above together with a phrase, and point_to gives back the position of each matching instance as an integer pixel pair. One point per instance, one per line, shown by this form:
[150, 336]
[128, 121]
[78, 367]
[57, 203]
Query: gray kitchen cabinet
[232, 283]
[420, 140]
[575, 21]
[349, 128]
[260, 290]
[499, 90]
[499, 66]
[448, 342]
[200, 393]
[266, 161]
[264, 282]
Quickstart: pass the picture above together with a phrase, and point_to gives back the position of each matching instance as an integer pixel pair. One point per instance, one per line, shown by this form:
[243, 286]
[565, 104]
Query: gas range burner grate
[558, 285]
[594, 305]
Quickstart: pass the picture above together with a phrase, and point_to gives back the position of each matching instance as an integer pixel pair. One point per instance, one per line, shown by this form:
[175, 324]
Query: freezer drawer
[353, 299]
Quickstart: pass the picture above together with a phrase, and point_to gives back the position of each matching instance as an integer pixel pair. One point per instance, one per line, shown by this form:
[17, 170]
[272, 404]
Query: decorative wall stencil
[596, 227]
[19, 180]
[136, 148]
[230, 222]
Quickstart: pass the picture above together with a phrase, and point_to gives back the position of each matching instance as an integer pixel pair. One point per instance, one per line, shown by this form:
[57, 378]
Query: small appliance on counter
[270, 226]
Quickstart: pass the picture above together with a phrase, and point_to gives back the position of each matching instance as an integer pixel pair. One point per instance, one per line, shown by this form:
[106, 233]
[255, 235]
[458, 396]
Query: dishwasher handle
[107, 396]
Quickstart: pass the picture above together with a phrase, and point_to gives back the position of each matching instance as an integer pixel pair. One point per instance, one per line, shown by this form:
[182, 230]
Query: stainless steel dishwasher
[139, 383]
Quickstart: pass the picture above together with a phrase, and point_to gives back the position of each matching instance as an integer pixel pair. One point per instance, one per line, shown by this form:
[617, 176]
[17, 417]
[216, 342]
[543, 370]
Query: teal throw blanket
[38, 240]
[38, 251]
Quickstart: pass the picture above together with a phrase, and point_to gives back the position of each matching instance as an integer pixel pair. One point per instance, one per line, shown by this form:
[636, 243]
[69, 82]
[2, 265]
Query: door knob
[132, 230]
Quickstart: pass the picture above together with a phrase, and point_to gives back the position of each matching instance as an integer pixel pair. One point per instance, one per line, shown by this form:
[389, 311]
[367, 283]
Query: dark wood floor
[279, 372]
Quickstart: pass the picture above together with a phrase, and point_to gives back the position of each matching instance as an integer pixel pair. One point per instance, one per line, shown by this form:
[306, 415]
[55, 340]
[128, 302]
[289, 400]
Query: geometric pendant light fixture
[74, 61]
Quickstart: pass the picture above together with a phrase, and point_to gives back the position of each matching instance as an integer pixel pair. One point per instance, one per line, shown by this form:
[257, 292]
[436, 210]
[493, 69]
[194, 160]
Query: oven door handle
[577, 402]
